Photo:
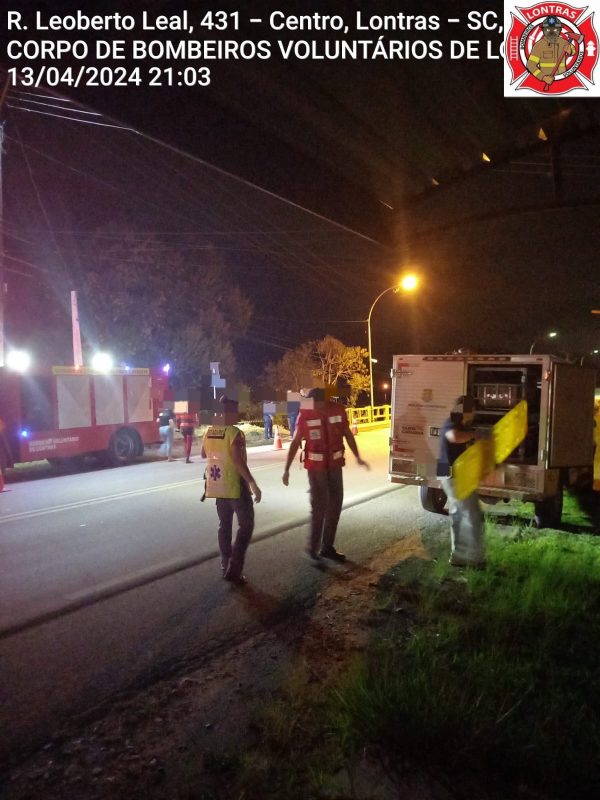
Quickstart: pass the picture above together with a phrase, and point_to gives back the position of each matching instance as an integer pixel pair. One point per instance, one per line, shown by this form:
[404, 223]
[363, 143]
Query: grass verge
[496, 676]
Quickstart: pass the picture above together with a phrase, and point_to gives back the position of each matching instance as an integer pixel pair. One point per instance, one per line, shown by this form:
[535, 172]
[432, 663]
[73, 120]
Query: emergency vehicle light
[18, 360]
[24, 434]
[102, 362]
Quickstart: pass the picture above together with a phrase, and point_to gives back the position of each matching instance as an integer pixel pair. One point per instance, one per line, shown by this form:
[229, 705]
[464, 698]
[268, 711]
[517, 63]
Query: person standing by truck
[466, 518]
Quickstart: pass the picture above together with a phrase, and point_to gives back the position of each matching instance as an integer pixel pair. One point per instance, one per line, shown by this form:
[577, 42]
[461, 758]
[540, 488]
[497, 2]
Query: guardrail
[369, 414]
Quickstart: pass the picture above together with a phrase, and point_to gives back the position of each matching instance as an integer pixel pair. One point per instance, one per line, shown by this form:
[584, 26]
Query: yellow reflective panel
[471, 466]
[597, 443]
[509, 432]
[481, 458]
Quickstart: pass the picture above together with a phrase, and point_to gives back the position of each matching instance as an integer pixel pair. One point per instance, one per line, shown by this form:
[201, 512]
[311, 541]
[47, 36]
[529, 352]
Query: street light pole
[379, 296]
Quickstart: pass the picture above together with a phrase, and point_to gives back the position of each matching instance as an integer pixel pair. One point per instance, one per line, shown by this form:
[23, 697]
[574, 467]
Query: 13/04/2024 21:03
[93, 76]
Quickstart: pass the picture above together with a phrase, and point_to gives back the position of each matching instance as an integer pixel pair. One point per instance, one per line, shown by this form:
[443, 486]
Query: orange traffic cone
[277, 443]
[354, 426]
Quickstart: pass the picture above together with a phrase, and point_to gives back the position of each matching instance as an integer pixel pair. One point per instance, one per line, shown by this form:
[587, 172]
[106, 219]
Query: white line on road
[124, 583]
[39, 512]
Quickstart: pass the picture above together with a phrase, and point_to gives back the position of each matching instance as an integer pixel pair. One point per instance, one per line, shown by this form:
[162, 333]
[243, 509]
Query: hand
[286, 477]
[362, 463]
[255, 491]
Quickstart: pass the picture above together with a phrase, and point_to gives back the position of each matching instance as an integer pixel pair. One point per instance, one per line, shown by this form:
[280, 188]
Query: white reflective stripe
[312, 423]
[315, 456]
[335, 419]
[338, 454]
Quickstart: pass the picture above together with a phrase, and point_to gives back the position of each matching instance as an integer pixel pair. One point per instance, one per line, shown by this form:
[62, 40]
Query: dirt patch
[175, 739]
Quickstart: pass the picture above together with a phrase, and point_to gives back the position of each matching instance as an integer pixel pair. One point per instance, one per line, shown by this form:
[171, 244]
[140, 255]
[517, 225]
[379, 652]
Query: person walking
[229, 480]
[467, 544]
[323, 429]
[187, 425]
[166, 429]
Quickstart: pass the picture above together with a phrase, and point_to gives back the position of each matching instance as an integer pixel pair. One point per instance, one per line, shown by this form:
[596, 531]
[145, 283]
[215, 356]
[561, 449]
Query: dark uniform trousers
[326, 498]
[243, 508]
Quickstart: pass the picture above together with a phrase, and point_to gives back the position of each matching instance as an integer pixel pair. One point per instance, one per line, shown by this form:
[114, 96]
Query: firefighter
[323, 429]
[186, 423]
[548, 56]
[466, 518]
[229, 480]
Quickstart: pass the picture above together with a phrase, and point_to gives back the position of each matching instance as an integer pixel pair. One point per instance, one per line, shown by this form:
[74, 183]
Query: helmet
[552, 23]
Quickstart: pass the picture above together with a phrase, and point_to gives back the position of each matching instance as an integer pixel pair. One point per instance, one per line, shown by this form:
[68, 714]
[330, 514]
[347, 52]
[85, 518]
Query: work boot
[332, 554]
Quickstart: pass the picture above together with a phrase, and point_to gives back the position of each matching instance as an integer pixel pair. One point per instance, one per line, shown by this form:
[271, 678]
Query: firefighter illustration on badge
[551, 49]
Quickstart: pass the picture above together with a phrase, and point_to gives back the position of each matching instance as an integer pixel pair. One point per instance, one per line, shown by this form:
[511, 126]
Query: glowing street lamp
[408, 283]
[551, 335]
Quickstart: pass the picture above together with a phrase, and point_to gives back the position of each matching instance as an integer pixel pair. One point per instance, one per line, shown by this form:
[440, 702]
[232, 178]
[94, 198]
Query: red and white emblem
[551, 49]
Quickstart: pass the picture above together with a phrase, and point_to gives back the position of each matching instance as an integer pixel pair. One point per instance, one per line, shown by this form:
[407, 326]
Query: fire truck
[68, 412]
[557, 452]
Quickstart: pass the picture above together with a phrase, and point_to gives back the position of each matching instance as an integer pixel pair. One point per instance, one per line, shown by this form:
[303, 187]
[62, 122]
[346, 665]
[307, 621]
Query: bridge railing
[369, 415]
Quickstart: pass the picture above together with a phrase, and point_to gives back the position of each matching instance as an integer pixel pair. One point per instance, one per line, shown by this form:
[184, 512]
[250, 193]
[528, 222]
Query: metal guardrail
[369, 414]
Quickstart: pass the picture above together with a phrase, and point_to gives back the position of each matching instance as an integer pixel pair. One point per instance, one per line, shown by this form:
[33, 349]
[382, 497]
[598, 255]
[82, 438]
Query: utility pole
[2, 286]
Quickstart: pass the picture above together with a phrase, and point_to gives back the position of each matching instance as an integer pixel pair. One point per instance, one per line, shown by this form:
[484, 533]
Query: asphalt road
[111, 577]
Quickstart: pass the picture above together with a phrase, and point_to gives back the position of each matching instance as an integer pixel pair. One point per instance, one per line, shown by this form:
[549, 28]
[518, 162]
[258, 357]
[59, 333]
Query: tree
[327, 359]
[149, 303]
[292, 372]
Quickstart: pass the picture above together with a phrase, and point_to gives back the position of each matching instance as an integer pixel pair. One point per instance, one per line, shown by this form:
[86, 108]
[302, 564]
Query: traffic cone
[354, 426]
[277, 443]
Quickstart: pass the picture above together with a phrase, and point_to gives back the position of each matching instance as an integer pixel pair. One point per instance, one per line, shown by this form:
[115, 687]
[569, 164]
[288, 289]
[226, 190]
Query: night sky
[506, 252]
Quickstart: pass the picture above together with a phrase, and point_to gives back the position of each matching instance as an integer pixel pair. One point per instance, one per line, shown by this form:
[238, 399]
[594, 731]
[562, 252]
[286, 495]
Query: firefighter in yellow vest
[548, 56]
[229, 480]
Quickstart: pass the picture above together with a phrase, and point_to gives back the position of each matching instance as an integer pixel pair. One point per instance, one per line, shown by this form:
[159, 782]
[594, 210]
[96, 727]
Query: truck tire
[124, 447]
[548, 512]
[432, 499]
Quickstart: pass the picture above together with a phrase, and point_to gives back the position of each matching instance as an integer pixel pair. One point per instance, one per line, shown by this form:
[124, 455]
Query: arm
[238, 456]
[457, 436]
[349, 437]
[291, 455]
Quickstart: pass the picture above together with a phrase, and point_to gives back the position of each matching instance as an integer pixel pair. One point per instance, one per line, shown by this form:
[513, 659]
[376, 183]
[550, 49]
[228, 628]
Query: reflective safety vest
[222, 478]
[323, 432]
[187, 421]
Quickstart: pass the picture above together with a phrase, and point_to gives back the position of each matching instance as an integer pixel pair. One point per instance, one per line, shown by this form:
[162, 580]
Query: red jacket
[187, 422]
[323, 432]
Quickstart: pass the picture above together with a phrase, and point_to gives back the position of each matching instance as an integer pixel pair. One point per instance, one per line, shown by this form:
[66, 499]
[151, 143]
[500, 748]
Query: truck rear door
[572, 417]
[424, 390]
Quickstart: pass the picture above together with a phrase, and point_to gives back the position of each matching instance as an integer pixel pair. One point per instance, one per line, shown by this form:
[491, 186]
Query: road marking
[39, 512]
[99, 592]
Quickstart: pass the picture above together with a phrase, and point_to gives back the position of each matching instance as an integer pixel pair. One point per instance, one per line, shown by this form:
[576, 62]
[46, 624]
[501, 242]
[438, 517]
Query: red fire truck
[67, 412]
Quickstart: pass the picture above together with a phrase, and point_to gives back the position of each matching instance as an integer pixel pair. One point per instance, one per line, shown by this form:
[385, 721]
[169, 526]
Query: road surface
[110, 578]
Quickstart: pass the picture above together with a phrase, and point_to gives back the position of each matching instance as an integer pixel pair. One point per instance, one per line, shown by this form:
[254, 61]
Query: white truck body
[559, 442]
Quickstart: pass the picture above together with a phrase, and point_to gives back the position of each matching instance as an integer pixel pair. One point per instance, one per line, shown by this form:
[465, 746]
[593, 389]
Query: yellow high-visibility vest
[222, 478]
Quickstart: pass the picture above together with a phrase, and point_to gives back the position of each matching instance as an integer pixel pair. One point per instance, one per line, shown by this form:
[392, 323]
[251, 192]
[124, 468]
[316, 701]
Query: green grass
[499, 675]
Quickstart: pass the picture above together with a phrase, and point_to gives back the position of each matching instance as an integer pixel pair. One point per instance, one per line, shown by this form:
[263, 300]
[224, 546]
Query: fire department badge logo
[550, 49]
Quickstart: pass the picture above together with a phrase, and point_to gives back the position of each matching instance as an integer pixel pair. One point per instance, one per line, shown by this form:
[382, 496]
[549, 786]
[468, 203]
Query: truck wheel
[432, 499]
[124, 447]
[548, 511]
